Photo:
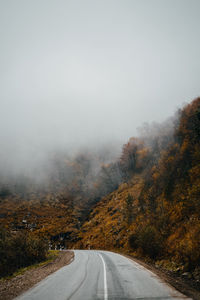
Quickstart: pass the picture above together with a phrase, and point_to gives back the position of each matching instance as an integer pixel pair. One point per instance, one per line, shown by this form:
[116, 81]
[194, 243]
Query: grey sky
[78, 72]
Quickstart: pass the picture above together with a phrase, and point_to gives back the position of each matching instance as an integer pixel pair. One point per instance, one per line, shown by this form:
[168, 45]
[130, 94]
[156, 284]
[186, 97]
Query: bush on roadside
[20, 250]
[148, 240]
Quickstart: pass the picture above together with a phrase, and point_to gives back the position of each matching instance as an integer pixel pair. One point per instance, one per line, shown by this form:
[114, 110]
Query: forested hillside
[146, 202]
[59, 203]
[47, 211]
[155, 212]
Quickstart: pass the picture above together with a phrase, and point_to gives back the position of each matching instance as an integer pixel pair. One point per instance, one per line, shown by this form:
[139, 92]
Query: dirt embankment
[11, 288]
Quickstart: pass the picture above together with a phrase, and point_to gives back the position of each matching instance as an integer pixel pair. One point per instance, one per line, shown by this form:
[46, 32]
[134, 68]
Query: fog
[85, 74]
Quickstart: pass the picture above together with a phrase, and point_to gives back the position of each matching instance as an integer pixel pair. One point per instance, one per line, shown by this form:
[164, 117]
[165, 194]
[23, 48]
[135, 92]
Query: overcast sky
[90, 71]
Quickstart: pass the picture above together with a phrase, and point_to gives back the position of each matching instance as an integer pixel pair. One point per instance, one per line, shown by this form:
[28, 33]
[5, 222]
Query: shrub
[20, 250]
[133, 241]
[148, 240]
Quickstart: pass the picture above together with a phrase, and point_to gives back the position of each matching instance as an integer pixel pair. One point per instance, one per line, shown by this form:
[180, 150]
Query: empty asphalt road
[101, 275]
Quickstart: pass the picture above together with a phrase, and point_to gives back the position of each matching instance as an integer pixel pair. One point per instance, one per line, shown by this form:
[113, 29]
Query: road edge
[14, 287]
[170, 279]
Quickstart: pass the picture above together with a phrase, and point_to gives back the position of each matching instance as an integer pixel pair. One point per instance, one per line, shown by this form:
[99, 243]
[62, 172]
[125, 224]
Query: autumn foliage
[163, 179]
[146, 203]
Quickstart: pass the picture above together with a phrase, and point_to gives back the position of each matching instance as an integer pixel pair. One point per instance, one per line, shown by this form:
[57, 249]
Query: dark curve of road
[101, 275]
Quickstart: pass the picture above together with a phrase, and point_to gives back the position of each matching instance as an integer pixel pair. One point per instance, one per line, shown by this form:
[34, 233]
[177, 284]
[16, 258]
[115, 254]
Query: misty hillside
[146, 201]
[100, 147]
[155, 212]
[70, 182]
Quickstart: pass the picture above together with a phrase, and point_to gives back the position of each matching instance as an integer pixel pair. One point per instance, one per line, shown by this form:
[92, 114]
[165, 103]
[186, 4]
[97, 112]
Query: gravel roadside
[11, 288]
[186, 287]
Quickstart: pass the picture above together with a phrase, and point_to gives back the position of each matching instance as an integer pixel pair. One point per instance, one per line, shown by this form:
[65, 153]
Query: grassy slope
[107, 227]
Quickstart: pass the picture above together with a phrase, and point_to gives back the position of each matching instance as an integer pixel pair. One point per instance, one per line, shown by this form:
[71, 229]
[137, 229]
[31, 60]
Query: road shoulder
[11, 288]
[186, 288]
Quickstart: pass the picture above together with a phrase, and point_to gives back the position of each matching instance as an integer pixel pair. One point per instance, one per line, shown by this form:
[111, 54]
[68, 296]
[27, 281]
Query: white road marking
[105, 278]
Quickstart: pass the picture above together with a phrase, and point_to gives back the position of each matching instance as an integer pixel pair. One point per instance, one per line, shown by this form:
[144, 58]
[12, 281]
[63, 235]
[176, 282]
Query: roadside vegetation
[51, 256]
[19, 250]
